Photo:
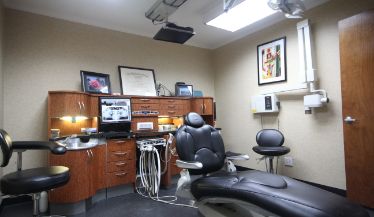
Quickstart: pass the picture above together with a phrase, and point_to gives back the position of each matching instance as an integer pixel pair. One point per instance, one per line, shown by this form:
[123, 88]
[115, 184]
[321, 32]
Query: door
[357, 79]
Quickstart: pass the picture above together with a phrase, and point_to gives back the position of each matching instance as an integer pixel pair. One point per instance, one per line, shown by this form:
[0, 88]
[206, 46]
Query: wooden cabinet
[87, 171]
[121, 162]
[173, 107]
[202, 106]
[68, 104]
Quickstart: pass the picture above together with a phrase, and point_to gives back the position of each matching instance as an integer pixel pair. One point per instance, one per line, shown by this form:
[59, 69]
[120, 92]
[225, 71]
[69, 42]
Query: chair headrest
[194, 120]
[6, 148]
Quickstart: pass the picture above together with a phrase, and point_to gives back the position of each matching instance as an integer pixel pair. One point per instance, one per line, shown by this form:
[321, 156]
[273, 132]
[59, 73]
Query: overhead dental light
[291, 8]
[170, 32]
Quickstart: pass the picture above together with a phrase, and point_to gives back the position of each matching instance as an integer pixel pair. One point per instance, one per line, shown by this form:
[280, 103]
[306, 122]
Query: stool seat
[271, 151]
[34, 180]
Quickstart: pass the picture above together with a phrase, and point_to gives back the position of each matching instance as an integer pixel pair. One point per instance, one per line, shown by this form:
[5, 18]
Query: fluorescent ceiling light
[243, 14]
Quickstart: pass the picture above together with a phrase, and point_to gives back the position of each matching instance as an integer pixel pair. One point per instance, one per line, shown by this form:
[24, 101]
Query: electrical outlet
[288, 161]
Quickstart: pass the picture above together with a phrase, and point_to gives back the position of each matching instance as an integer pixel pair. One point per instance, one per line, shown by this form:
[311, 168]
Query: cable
[150, 174]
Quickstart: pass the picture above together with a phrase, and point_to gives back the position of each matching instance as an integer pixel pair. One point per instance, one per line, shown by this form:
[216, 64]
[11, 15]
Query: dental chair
[30, 181]
[270, 145]
[250, 193]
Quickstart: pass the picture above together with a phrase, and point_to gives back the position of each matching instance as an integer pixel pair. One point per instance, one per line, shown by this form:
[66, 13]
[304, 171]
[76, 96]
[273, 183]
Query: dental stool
[30, 181]
[249, 193]
[270, 143]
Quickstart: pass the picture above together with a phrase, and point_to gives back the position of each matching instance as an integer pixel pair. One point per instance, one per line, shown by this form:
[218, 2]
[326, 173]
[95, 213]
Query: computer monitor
[115, 114]
[183, 90]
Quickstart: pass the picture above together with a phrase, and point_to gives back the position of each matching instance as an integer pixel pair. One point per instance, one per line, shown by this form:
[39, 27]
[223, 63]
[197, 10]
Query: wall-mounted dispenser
[268, 103]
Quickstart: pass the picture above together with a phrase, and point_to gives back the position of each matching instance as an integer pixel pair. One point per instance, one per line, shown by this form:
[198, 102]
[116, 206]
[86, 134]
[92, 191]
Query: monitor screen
[184, 90]
[115, 110]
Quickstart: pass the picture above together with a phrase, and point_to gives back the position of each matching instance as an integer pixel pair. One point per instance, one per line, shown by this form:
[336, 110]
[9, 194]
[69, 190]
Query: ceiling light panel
[242, 15]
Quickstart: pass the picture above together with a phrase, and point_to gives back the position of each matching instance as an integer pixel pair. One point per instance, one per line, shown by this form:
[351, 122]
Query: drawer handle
[121, 174]
[119, 142]
[145, 106]
[120, 164]
[171, 112]
[120, 153]
[171, 106]
[144, 100]
[171, 100]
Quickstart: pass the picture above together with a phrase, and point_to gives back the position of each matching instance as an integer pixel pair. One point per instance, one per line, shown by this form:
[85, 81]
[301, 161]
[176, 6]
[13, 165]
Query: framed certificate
[137, 81]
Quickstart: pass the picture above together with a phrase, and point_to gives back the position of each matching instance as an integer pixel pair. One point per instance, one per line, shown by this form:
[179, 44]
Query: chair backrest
[6, 148]
[269, 138]
[197, 141]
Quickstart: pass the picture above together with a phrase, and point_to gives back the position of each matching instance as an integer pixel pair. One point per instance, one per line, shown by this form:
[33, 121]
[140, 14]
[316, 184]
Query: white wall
[43, 54]
[316, 140]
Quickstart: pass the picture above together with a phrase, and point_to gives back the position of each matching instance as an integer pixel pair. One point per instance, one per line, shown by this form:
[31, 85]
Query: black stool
[270, 143]
[30, 181]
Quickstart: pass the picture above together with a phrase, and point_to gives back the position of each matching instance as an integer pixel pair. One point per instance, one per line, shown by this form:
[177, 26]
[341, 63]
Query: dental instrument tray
[153, 142]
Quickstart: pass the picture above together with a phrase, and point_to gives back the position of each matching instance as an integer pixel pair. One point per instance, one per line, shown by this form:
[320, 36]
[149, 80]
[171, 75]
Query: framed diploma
[137, 81]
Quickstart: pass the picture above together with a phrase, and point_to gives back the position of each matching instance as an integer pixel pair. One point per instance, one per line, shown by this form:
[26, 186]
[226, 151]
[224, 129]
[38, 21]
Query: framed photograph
[93, 82]
[271, 60]
[137, 81]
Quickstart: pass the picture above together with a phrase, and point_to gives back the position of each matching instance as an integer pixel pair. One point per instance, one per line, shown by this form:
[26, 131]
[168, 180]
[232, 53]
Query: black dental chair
[30, 181]
[270, 145]
[249, 193]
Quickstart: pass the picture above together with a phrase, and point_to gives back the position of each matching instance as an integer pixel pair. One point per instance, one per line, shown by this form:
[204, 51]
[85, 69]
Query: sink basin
[76, 144]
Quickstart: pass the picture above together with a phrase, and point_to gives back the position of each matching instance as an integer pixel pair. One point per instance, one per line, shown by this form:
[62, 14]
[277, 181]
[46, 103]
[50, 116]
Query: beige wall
[316, 140]
[43, 54]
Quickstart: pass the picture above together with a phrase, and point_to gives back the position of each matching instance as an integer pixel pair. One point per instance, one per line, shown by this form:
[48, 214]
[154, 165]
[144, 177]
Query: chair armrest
[54, 147]
[189, 164]
[236, 156]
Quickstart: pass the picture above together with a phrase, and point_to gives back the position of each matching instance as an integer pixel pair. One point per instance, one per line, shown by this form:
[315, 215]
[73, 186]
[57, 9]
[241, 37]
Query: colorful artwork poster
[272, 61]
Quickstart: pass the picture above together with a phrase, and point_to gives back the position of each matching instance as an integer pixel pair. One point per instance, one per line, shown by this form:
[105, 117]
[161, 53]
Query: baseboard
[324, 187]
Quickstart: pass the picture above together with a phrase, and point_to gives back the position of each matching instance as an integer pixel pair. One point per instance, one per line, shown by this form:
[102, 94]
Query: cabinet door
[197, 105]
[94, 106]
[97, 168]
[208, 106]
[68, 104]
[85, 105]
[77, 188]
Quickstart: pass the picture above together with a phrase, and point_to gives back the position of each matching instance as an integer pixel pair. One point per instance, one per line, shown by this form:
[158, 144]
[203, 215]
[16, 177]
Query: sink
[76, 144]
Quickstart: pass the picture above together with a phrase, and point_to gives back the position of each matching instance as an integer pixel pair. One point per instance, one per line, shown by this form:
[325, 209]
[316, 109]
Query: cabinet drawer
[171, 101]
[145, 107]
[120, 145]
[121, 155]
[172, 107]
[121, 166]
[120, 178]
[144, 101]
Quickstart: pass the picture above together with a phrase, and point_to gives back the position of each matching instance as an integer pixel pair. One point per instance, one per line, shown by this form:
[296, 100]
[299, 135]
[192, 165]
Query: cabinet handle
[202, 108]
[120, 174]
[91, 153]
[120, 164]
[83, 106]
[120, 153]
[144, 100]
[145, 106]
[80, 106]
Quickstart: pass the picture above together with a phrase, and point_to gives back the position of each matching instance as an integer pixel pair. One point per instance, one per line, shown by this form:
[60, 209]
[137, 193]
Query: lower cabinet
[85, 167]
[121, 162]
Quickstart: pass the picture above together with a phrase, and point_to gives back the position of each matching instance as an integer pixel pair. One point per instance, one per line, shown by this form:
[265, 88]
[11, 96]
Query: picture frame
[137, 81]
[271, 61]
[93, 82]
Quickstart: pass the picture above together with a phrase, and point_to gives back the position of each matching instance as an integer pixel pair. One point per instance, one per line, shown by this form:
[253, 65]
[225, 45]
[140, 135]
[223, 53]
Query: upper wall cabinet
[68, 104]
[202, 106]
